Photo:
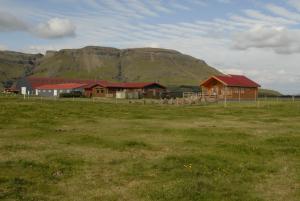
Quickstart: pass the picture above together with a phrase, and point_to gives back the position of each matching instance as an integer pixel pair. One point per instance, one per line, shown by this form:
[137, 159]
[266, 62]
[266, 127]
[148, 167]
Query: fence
[188, 98]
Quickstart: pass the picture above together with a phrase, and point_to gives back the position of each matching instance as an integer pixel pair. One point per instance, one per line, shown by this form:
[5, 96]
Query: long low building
[144, 89]
[89, 88]
[57, 89]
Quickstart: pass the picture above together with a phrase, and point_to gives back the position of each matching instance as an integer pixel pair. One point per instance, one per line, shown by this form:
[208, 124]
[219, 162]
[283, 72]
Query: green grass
[80, 150]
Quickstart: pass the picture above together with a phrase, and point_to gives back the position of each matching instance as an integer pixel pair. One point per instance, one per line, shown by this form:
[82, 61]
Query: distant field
[79, 150]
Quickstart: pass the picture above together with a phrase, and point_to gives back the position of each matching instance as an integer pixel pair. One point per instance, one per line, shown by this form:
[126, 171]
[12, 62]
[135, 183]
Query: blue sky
[260, 39]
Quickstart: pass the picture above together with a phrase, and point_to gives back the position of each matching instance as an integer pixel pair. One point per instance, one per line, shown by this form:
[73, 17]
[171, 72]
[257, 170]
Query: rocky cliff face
[14, 65]
[169, 67]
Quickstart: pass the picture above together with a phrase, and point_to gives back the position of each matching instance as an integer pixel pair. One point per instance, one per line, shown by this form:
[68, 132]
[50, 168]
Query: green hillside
[268, 93]
[169, 67]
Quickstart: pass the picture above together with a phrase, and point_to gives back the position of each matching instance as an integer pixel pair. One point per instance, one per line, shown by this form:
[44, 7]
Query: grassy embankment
[64, 150]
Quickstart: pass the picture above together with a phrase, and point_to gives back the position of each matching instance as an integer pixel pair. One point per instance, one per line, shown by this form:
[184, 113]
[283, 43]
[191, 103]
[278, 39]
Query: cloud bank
[9, 22]
[279, 39]
[52, 29]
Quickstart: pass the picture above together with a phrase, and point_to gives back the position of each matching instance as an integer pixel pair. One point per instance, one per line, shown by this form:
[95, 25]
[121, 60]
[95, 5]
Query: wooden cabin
[230, 87]
[145, 89]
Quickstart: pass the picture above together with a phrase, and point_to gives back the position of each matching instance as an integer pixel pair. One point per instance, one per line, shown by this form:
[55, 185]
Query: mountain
[14, 65]
[168, 67]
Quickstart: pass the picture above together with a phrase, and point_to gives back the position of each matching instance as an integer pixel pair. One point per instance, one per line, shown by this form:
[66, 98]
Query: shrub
[75, 94]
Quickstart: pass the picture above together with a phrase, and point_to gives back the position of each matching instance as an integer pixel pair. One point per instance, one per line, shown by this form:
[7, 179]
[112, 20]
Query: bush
[75, 94]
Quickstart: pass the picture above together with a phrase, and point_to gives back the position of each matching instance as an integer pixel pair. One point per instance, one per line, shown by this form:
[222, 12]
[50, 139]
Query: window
[102, 90]
[44, 90]
[98, 91]
[68, 90]
[61, 91]
[242, 90]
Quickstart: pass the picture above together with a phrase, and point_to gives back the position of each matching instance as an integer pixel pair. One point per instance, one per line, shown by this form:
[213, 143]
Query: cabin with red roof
[109, 89]
[230, 87]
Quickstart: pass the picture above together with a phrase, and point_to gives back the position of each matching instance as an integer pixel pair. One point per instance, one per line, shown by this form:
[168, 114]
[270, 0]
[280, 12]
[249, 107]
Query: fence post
[293, 98]
[225, 98]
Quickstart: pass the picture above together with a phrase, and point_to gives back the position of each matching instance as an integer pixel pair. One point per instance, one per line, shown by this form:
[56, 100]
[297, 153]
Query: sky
[256, 38]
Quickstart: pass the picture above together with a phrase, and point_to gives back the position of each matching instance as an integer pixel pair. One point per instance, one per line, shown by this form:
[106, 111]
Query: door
[55, 92]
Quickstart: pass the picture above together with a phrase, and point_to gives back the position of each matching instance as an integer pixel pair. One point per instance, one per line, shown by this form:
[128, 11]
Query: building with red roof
[57, 89]
[91, 88]
[110, 89]
[231, 87]
[28, 85]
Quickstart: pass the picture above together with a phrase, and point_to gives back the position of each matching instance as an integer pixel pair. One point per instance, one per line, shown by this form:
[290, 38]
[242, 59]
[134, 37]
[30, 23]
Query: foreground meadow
[69, 150]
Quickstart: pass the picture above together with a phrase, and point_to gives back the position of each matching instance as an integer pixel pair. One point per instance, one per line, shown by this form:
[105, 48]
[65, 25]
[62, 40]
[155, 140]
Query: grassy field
[78, 150]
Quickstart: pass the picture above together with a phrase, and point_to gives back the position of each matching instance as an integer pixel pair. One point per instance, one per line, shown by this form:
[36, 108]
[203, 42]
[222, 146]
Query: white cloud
[9, 22]
[279, 39]
[55, 28]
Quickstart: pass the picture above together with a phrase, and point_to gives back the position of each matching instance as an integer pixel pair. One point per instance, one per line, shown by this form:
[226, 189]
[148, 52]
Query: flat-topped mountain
[168, 67]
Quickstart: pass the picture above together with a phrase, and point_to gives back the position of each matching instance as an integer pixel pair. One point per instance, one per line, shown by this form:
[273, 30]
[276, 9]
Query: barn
[57, 89]
[230, 87]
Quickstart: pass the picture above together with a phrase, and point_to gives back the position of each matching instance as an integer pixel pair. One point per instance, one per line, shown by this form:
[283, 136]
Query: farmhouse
[57, 89]
[231, 87]
[142, 89]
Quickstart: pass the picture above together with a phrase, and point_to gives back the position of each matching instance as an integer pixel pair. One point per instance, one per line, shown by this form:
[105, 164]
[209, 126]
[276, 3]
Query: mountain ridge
[169, 67]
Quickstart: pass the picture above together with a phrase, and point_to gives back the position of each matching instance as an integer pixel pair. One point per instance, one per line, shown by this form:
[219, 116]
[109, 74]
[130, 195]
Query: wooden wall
[233, 93]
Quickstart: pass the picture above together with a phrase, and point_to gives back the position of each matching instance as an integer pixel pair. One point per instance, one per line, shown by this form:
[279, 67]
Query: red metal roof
[39, 81]
[36, 82]
[133, 85]
[125, 85]
[234, 80]
[62, 86]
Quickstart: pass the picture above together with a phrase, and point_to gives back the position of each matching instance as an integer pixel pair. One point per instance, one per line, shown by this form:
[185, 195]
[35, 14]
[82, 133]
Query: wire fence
[185, 100]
